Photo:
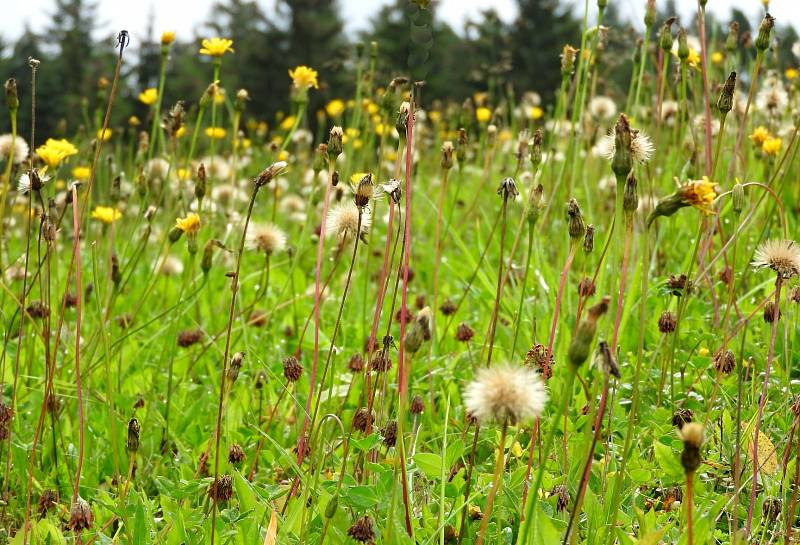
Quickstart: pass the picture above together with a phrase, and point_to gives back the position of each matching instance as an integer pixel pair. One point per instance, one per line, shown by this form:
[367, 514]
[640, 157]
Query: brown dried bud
[586, 287]
[464, 333]
[417, 405]
[222, 489]
[725, 101]
[771, 312]
[235, 454]
[724, 361]
[235, 366]
[667, 322]
[389, 434]
[133, 434]
[588, 239]
[561, 493]
[764, 31]
[80, 516]
[292, 370]
[356, 363]
[577, 227]
[362, 530]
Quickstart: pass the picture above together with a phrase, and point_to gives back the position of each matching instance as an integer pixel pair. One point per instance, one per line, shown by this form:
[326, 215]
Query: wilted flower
[697, 193]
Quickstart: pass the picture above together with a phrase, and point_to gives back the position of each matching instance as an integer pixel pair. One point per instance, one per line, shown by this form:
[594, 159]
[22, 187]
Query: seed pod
[667, 322]
[568, 60]
[588, 239]
[235, 454]
[364, 191]
[692, 436]
[536, 149]
[447, 155]
[80, 516]
[292, 370]
[622, 162]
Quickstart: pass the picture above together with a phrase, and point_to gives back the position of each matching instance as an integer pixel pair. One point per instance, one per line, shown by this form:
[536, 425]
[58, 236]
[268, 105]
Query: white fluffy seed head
[641, 146]
[266, 238]
[342, 222]
[505, 392]
[782, 256]
[18, 144]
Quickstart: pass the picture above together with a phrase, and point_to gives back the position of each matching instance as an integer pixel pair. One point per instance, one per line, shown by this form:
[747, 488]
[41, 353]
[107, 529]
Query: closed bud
[133, 435]
[200, 184]
[116, 273]
[447, 155]
[764, 31]
[732, 40]
[692, 436]
[581, 345]
[577, 227]
[665, 35]
[630, 198]
[419, 331]
[401, 123]
[320, 158]
[508, 188]
[270, 173]
[588, 239]
[622, 162]
[602, 4]
[12, 99]
[535, 204]
[208, 255]
[683, 45]
[650, 13]
[330, 509]
[364, 191]
[725, 101]
[175, 234]
[461, 147]
[536, 150]
[235, 366]
[738, 198]
[335, 143]
[242, 97]
[568, 60]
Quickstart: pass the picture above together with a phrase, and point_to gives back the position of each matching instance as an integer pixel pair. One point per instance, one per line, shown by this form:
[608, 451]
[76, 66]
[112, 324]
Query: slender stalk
[496, 481]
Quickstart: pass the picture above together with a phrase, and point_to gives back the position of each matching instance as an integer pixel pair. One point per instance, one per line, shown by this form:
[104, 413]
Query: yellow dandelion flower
[106, 214]
[483, 114]
[53, 151]
[699, 193]
[190, 224]
[358, 144]
[505, 135]
[771, 146]
[167, 37]
[382, 128]
[535, 112]
[335, 107]
[372, 108]
[104, 134]
[81, 173]
[693, 59]
[304, 77]
[181, 131]
[216, 47]
[215, 133]
[149, 96]
[703, 352]
[435, 116]
[283, 155]
[287, 122]
[183, 174]
[357, 177]
[791, 74]
[717, 57]
[759, 136]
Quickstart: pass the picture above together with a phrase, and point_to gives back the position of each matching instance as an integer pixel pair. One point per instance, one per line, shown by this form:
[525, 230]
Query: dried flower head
[221, 489]
[235, 454]
[724, 361]
[667, 322]
[682, 417]
[292, 370]
[505, 392]
[80, 516]
[362, 530]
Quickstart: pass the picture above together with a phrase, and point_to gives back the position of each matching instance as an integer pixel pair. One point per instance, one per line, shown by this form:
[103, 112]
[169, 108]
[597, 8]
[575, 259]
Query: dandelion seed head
[342, 221]
[505, 391]
[782, 256]
[266, 238]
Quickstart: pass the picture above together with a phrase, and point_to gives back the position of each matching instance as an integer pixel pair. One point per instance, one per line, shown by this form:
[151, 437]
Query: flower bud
[630, 199]
[335, 143]
[133, 435]
[738, 198]
[622, 162]
[581, 345]
[568, 60]
[536, 150]
[588, 239]
[320, 158]
[447, 155]
[665, 34]
[200, 184]
[535, 204]
[461, 146]
[725, 101]
[732, 40]
[692, 436]
[683, 45]
[577, 227]
[12, 99]
[764, 31]
[650, 13]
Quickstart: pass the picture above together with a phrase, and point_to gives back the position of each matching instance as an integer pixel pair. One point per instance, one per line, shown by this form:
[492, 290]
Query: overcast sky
[184, 15]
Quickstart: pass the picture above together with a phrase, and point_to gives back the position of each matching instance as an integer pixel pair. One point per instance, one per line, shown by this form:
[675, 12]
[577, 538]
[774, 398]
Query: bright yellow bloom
[483, 115]
[215, 133]
[287, 122]
[335, 107]
[703, 352]
[791, 73]
[81, 173]
[352, 132]
[771, 146]
[181, 131]
[717, 57]
[104, 135]
[516, 450]
[190, 224]
[357, 177]
[106, 214]
[694, 58]
[304, 77]
[53, 152]
[133, 121]
[283, 155]
[371, 107]
[167, 37]
[216, 47]
[382, 128]
[505, 135]
[759, 136]
[535, 112]
[700, 194]
[149, 96]
[183, 173]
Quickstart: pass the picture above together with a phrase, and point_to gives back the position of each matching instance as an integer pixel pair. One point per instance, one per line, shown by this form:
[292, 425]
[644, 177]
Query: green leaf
[430, 464]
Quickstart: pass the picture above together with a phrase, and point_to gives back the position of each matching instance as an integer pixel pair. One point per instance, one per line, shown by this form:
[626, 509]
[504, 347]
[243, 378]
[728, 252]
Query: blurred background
[497, 47]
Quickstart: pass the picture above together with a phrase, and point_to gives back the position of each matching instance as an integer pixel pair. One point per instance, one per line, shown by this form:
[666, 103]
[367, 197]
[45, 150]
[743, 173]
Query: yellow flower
[181, 131]
[81, 173]
[190, 224]
[183, 173]
[216, 47]
[371, 107]
[717, 57]
[516, 449]
[358, 144]
[106, 214]
[382, 128]
[357, 177]
[700, 194]
[287, 122]
[283, 155]
[167, 37]
[149, 96]
[435, 116]
[215, 133]
[104, 135]
[53, 152]
[334, 108]
[694, 58]
[483, 114]
[535, 112]
[304, 77]
[703, 352]
[505, 135]
[219, 96]
[771, 146]
[791, 73]
[480, 98]
[759, 136]
[133, 121]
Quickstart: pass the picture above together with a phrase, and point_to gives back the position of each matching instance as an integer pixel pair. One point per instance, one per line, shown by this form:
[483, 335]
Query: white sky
[184, 15]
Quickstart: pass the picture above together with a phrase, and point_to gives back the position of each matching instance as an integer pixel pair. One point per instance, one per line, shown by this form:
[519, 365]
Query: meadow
[399, 321]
